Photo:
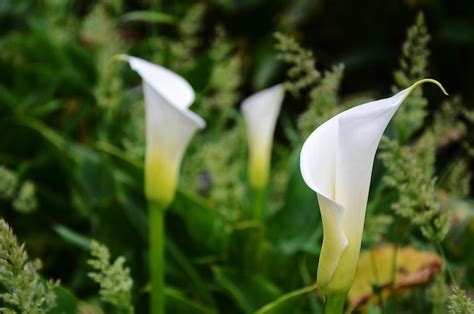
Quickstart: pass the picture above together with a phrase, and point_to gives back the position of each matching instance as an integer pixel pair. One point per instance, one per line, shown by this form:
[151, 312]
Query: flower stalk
[258, 200]
[170, 125]
[334, 304]
[157, 259]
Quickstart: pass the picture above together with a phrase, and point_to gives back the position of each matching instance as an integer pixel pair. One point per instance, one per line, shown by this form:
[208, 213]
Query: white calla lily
[170, 126]
[336, 162]
[260, 112]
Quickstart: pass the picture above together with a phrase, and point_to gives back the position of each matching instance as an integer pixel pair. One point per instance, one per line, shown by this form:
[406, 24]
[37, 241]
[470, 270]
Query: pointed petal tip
[276, 91]
[429, 80]
[201, 122]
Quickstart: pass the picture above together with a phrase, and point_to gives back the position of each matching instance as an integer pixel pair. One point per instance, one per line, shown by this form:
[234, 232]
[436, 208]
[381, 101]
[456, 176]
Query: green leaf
[95, 176]
[178, 303]
[65, 302]
[200, 75]
[148, 17]
[73, 237]
[297, 225]
[202, 223]
[297, 12]
[249, 291]
[188, 270]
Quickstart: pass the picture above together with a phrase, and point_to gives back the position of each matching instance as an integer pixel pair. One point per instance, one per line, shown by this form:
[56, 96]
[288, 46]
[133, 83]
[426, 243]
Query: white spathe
[260, 112]
[336, 162]
[170, 126]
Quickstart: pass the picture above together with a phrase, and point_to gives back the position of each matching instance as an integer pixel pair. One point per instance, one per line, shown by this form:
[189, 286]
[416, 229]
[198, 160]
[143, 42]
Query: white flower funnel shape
[261, 112]
[169, 127]
[336, 162]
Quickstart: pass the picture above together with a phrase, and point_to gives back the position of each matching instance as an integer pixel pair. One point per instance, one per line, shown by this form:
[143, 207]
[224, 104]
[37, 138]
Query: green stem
[254, 238]
[445, 262]
[393, 275]
[281, 301]
[378, 288]
[258, 202]
[334, 304]
[157, 260]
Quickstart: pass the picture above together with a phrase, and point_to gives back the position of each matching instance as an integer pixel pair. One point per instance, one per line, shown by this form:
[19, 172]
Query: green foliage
[74, 146]
[22, 290]
[458, 180]
[8, 183]
[302, 72]
[323, 90]
[212, 168]
[183, 49]
[376, 227]
[222, 91]
[410, 171]
[323, 101]
[291, 230]
[26, 201]
[250, 292]
[413, 67]
[459, 302]
[214, 172]
[23, 197]
[113, 278]
[450, 126]
[97, 25]
[438, 293]
[415, 53]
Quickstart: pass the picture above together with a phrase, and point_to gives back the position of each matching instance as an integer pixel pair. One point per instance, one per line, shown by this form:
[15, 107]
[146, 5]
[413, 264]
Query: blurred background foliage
[73, 139]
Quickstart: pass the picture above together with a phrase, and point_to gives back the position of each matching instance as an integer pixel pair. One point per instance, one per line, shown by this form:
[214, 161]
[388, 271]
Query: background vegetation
[71, 151]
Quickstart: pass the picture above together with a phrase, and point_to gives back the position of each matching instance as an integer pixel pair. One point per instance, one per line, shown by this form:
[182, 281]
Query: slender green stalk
[306, 277]
[258, 202]
[155, 7]
[445, 262]
[334, 304]
[255, 237]
[156, 259]
[274, 305]
[378, 288]
[393, 274]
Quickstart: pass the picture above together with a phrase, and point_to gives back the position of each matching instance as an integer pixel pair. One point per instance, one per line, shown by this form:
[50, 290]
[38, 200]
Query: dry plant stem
[334, 304]
[156, 259]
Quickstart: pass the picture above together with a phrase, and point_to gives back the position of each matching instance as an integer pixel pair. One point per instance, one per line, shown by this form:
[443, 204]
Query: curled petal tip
[428, 80]
[168, 84]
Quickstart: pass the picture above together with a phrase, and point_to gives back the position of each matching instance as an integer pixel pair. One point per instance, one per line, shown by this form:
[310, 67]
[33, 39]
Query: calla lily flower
[261, 112]
[336, 162]
[170, 126]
